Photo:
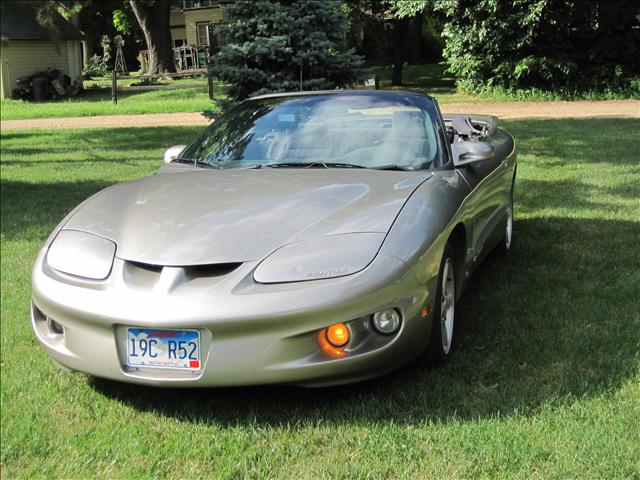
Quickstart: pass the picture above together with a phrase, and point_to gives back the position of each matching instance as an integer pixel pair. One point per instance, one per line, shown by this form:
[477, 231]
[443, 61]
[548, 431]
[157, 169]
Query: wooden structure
[186, 58]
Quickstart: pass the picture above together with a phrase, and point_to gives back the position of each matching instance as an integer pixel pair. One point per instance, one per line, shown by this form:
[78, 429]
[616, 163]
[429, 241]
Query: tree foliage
[121, 22]
[545, 44]
[270, 42]
[408, 8]
[401, 31]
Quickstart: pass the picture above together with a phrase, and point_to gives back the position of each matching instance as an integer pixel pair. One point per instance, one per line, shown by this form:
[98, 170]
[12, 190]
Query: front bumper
[250, 333]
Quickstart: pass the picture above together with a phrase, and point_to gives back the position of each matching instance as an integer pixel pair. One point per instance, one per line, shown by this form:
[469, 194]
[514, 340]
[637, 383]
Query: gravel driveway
[503, 110]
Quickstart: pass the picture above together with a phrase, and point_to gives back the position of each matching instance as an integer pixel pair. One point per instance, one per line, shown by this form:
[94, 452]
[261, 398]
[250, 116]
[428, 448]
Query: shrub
[98, 66]
[550, 45]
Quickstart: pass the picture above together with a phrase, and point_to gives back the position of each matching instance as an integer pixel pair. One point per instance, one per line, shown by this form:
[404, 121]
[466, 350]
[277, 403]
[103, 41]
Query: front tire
[442, 338]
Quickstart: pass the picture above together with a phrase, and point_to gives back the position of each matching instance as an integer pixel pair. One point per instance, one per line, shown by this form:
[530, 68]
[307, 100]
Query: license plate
[163, 348]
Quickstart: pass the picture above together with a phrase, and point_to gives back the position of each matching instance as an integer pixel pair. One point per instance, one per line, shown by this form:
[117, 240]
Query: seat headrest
[408, 125]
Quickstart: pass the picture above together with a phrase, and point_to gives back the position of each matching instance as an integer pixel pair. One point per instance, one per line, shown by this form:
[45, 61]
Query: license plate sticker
[163, 348]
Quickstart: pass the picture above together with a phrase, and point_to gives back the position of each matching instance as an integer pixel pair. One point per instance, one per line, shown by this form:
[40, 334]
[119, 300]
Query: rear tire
[442, 340]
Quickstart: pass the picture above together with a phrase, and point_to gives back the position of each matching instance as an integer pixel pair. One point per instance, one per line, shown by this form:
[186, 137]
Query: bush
[549, 45]
[98, 66]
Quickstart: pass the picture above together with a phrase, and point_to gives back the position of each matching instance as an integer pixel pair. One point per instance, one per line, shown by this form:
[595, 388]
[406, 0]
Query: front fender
[423, 226]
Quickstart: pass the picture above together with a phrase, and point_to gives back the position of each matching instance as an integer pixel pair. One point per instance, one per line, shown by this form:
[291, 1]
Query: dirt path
[577, 109]
[503, 110]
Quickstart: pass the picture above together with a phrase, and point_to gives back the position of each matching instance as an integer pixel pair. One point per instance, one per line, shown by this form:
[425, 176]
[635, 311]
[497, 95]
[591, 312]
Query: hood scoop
[164, 279]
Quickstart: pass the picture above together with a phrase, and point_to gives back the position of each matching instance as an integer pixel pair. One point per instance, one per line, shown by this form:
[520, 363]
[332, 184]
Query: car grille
[144, 275]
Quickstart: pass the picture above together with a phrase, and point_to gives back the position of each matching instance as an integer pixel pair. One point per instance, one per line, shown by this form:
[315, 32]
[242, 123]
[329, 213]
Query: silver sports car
[311, 238]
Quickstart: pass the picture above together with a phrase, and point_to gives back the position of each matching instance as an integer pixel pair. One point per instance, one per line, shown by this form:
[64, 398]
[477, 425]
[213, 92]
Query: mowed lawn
[191, 95]
[98, 102]
[545, 382]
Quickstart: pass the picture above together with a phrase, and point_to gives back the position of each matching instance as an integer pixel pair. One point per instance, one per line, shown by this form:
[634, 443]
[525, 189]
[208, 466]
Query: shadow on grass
[553, 321]
[429, 78]
[28, 206]
[33, 205]
[578, 141]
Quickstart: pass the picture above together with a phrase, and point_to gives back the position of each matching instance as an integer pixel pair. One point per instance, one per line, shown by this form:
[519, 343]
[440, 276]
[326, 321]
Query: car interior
[403, 137]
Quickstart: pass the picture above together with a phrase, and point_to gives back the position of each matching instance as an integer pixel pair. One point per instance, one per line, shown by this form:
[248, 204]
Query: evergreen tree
[270, 43]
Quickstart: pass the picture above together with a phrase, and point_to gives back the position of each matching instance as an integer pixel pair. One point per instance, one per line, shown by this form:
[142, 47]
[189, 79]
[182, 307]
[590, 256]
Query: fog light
[338, 335]
[387, 321]
[55, 327]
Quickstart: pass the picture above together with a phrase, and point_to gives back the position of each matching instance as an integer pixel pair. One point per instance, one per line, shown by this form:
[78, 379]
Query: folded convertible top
[472, 125]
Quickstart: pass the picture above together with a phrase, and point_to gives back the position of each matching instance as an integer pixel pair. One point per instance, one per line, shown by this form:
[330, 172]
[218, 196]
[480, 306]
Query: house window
[202, 30]
[198, 3]
[178, 42]
[218, 38]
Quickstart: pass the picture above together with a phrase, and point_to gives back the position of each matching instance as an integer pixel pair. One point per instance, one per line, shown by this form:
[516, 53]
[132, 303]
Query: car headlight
[324, 257]
[81, 254]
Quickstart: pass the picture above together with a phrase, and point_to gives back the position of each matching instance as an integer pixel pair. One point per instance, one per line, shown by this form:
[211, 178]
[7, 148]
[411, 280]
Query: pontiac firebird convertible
[312, 238]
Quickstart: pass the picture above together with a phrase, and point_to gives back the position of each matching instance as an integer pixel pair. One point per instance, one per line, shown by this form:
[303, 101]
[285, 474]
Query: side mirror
[173, 152]
[466, 153]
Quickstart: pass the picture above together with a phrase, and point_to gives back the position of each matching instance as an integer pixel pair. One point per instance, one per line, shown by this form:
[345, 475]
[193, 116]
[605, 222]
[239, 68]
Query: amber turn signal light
[338, 335]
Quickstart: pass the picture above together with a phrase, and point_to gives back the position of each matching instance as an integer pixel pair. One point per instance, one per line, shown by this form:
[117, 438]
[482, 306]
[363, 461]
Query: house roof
[18, 22]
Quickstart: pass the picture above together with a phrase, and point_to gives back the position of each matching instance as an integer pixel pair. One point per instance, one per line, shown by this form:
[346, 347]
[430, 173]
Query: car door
[488, 201]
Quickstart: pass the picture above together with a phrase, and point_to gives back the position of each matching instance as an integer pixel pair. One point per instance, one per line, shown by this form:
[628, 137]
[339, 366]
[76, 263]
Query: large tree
[153, 17]
[399, 48]
[271, 45]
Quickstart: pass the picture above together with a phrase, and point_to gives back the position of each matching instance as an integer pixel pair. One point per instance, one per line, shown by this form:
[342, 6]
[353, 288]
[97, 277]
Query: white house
[26, 47]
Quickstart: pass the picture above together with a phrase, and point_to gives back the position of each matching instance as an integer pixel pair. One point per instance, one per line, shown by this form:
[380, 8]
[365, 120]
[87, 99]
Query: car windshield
[359, 130]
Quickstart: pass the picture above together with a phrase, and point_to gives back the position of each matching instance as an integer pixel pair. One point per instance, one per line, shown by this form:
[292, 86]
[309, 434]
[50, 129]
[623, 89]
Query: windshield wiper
[312, 164]
[182, 160]
[295, 165]
[343, 165]
[195, 163]
[393, 166]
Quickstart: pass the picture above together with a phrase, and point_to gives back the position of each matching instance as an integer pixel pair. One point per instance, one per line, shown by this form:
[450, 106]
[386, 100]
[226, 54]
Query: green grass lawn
[98, 102]
[190, 95]
[105, 82]
[545, 383]
[429, 78]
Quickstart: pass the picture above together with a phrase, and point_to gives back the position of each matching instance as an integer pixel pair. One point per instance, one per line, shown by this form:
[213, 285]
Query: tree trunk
[401, 28]
[417, 50]
[154, 21]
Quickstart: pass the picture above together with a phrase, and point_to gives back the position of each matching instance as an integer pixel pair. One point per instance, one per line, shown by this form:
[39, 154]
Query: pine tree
[269, 42]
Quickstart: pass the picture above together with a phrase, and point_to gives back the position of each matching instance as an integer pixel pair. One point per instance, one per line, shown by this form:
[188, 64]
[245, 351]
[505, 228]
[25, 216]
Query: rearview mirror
[466, 153]
[173, 152]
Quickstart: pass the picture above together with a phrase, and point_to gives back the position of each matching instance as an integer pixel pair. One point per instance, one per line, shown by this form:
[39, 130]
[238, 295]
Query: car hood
[187, 216]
